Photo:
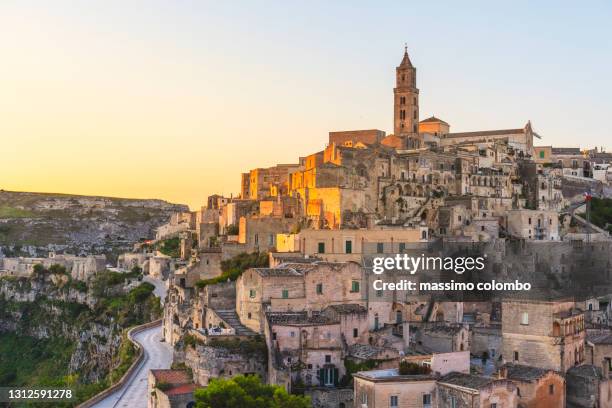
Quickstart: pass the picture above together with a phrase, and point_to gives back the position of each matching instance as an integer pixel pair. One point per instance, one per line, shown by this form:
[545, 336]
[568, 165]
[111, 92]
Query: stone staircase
[231, 318]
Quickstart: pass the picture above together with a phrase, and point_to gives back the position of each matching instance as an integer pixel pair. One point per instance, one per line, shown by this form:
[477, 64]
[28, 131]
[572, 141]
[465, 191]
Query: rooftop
[171, 376]
[391, 374]
[265, 272]
[600, 338]
[348, 308]
[525, 373]
[180, 389]
[466, 380]
[298, 318]
[487, 133]
[433, 119]
[566, 150]
[585, 371]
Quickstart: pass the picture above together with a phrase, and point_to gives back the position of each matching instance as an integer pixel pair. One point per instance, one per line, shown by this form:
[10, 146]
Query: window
[518, 391]
[402, 247]
[426, 400]
[380, 248]
[529, 220]
[364, 398]
[328, 358]
[355, 333]
[453, 402]
[494, 405]
[292, 334]
[273, 335]
[355, 287]
[551, 389]
[524, 318]
[285, 293]
[321, 248]
[516, 356]
[252, 293]
[393, 401]
[249, 315]
[319, 288]
[379, 293]
[541, 154]
[348, 247]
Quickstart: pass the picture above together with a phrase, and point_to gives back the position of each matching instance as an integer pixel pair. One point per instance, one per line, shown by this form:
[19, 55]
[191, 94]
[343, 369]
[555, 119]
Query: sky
[174, 99]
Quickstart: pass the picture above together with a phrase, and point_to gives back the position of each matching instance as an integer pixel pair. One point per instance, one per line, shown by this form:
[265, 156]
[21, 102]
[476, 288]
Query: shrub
[408, 368]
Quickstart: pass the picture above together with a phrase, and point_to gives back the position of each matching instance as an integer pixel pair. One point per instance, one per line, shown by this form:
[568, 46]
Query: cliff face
[34, 223]
[88, 321]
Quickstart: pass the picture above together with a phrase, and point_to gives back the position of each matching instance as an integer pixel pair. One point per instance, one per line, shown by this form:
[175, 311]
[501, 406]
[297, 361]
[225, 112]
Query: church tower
[406, 99]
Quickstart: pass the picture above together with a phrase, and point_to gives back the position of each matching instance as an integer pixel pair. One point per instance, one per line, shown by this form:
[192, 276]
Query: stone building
[466, 390]
[352, 138]
[536, 387]
[258, 234]
[543, 334]
[588, 386]
[170, 389]
[79, 268]
[388, 389]
[351, 244]
[296, 287]
[533, 224]
[444, 337]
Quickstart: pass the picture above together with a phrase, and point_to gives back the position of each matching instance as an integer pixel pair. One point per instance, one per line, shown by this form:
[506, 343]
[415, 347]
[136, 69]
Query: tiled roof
[298, 318]
[445, 329]
[171, 376]
[487, 133]
[600, 338]
[566, 150]
[364, 351]
[433, 119]
[277, 272]
[466, 380]
[524, 373]
[348, 308]
[585, 371]
[180, 389]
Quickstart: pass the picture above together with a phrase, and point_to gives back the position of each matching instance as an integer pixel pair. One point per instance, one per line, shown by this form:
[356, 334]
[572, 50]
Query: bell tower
[406, 99]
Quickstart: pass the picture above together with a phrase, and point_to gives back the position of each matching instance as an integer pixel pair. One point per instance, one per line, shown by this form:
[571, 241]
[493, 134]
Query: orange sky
[174, 100]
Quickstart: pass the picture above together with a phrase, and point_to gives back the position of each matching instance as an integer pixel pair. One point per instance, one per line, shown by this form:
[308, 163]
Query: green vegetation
[13, 212]
[601, 213]
[170, 247]
[234, 267]
[247, 392]
[252, 346]
[408, 368]
[353, 367]
[232, 230]
[191, 341]
[27, 361]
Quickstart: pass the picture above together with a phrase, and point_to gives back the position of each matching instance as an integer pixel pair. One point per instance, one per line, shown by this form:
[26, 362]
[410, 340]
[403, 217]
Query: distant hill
[33, 223]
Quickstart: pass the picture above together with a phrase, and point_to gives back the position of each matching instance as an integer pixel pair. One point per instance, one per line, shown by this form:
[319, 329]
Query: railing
[130, 371]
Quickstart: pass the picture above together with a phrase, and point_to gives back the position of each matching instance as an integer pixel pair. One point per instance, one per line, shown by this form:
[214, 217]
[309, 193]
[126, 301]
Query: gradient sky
[175, 99]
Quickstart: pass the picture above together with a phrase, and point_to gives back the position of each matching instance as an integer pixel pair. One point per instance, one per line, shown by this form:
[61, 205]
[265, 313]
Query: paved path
[157, 355]
[134, 393]
[161, 287]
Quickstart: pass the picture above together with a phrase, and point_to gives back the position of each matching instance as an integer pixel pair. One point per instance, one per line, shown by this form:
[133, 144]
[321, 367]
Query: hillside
[33, 223]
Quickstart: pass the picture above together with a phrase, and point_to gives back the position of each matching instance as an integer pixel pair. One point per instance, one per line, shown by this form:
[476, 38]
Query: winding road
[157, 355]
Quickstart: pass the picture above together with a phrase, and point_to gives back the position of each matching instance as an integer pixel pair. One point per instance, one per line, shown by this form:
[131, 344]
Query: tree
[247, 392]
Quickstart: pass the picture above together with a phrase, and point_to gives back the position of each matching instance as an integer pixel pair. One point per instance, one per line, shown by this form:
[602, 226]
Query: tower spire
[406, 60]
